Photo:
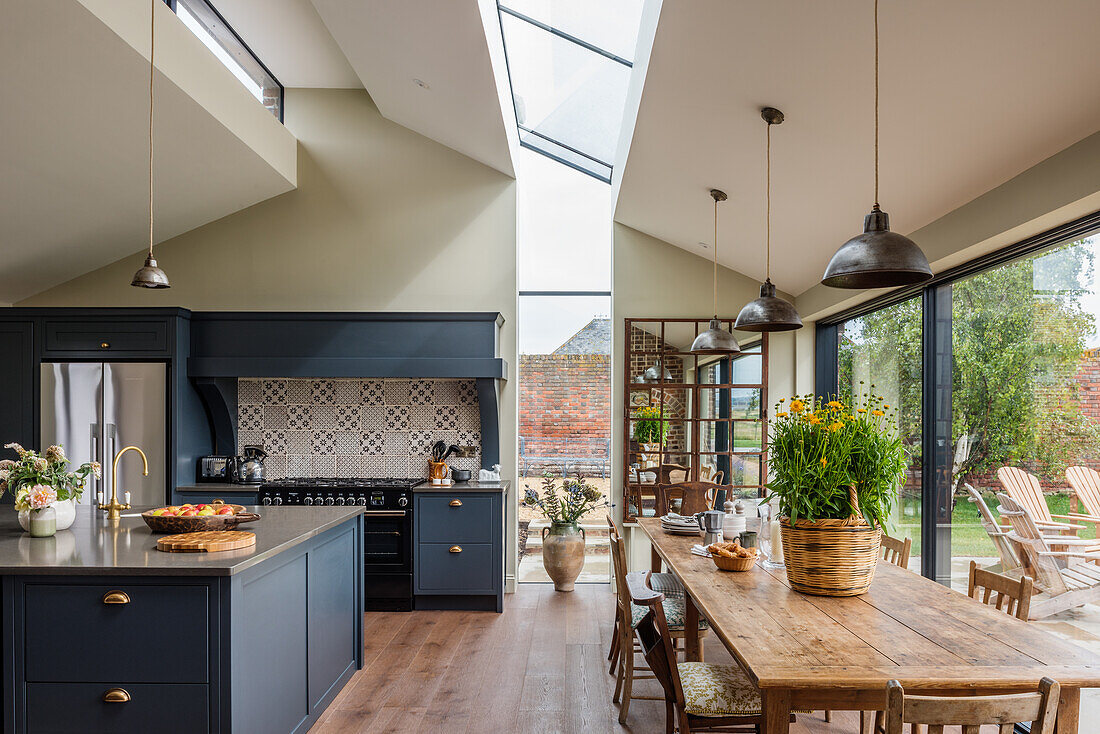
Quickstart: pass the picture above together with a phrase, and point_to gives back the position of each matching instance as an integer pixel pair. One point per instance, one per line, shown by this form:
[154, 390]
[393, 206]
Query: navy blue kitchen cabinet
[262, 651]
[18, 377]
[458, 549]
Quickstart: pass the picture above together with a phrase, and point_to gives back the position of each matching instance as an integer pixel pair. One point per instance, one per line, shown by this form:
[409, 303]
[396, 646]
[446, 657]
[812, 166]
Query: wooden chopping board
[209, 541]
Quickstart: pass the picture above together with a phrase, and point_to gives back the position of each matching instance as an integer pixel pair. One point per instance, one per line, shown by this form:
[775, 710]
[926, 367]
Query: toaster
[215, 469]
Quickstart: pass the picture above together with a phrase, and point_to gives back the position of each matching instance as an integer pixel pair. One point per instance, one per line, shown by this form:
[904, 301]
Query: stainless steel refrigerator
[95, 409]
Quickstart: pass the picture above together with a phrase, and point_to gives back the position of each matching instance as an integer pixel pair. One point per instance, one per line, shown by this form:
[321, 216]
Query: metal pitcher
[710, 522]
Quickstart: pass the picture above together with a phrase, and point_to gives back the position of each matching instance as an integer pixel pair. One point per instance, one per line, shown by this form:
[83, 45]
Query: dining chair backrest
[694, 496]
[1006, 594]
[1034, 551]
[896, 551]
[996, 532]
[618, 564]
[1026, 490]
[652, 633]
[1086, 484]
[710, 473]
[1039, 709]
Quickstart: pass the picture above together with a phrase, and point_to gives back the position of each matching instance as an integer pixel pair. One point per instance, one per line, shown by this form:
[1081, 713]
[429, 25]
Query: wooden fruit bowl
[198, 523]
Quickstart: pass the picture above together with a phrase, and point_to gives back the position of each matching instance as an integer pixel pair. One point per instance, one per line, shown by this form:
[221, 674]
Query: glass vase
[43, 523]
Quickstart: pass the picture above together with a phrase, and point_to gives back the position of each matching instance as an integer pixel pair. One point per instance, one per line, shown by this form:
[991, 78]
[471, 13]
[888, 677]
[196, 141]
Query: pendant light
[150, 275]
[878, 258]
[768, 312]
[715, 340]
[657, 373]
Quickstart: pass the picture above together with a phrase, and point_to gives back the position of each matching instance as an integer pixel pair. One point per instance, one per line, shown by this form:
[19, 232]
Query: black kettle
[249, 468]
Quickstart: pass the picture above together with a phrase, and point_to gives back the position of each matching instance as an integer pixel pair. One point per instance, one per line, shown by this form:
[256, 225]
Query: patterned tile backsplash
[357, 428]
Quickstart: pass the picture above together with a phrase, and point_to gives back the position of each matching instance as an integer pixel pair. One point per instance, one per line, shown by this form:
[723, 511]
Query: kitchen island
[104, 633]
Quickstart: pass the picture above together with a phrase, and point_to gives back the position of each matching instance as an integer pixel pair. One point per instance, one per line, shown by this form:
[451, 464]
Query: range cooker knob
[277, 501]
[307, 501]
[329, 501]
[402, 501]
[361, 501]
[265, 501]
[340, 500]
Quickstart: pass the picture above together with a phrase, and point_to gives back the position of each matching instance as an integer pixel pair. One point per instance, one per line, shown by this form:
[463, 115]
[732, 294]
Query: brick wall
[565, 408]
[675, 401]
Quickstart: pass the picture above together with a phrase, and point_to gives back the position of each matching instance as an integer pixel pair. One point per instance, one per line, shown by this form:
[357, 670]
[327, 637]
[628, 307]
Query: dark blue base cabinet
[263, 651]
[458, 545]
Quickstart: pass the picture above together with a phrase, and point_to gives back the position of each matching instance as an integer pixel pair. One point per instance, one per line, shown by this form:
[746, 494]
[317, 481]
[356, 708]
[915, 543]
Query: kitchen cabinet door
[17, 398]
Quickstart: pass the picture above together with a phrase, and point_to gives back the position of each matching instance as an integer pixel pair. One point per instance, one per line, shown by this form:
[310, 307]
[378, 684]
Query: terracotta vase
[563, 553]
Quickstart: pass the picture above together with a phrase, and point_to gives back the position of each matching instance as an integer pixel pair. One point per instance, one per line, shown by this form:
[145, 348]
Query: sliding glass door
[995, 364]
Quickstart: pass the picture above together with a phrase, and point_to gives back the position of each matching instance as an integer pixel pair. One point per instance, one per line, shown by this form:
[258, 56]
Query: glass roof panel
[612, 25]
[569, 99]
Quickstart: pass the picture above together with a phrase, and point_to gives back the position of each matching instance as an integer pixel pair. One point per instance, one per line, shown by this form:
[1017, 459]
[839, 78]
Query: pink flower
[41, 496]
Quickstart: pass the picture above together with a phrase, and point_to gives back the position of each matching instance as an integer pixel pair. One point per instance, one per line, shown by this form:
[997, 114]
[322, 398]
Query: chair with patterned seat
[626, 616]
[698, 696]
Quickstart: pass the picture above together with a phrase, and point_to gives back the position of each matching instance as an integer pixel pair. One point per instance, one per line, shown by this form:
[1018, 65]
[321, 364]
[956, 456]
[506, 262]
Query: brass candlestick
[113, 507]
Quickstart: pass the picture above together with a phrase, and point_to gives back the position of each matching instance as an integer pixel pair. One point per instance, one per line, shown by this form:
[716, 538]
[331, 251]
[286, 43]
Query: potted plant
[563, 542]
[836, 470]
[650, 431]
[42, 483]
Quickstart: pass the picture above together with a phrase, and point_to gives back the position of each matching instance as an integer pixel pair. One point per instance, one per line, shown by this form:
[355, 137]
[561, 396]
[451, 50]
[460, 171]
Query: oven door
[387, 541]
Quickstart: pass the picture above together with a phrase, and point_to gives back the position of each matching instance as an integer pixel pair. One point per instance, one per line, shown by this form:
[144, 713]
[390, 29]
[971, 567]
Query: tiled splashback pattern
[357, 428]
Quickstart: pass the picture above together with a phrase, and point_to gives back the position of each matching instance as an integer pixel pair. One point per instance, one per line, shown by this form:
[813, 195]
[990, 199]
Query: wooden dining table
[837, 653]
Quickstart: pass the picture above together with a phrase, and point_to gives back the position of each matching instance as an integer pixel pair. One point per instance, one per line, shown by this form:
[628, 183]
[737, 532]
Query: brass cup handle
[456, 549]
[456, 503]
[116, 597]
[116, 695]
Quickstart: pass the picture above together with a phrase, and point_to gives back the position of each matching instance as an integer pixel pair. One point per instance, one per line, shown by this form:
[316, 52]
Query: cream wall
[651, 279]
[383, 219]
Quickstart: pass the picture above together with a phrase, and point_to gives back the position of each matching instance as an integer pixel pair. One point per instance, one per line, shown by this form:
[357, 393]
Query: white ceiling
[291, 40]
[972, 94]
[74, 151]
[392, 43]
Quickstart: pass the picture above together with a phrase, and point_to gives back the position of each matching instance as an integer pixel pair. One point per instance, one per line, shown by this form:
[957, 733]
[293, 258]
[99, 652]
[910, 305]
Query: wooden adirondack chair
[997, 533]
[1086, 485]
[1064, 580]
[1026, 490]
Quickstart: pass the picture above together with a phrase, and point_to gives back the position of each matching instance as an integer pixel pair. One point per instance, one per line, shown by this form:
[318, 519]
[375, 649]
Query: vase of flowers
[563, 541]
[836, 467]
[44, 482]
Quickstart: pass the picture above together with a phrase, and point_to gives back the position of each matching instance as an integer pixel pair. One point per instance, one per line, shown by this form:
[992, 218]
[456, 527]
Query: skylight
[569, 65]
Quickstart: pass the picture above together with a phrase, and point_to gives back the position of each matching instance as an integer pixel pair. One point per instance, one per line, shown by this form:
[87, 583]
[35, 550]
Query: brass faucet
[112, 508]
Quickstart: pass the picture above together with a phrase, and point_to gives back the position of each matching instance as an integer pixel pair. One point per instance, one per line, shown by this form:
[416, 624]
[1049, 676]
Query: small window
[207, 24]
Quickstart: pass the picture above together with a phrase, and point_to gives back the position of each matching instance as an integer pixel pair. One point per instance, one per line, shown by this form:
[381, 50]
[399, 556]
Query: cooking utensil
[460, 475]
[250, 468]
[710, 522]
[438, 449]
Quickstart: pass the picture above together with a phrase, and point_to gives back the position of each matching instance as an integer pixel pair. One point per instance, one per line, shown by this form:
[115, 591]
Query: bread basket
[734, 564]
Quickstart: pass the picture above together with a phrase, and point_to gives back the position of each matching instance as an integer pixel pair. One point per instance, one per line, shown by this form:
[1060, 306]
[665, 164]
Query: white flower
[96, 469]
[6, 463]
[5, 475]
[41, 464]
[18, 449]
[55, 453]
[41, 496]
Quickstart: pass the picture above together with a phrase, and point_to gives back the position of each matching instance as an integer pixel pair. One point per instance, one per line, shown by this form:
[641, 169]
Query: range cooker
[387, 528]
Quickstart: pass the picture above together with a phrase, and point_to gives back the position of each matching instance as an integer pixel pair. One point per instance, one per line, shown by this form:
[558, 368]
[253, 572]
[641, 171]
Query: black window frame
[936, 343]
[282, 90]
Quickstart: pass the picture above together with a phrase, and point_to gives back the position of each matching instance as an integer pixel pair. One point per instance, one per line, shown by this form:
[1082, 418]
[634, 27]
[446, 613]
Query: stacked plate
[680, 524]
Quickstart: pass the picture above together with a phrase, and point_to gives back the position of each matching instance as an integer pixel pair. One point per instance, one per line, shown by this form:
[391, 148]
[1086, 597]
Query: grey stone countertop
[499, 486]
[216, 487]
[92, 546]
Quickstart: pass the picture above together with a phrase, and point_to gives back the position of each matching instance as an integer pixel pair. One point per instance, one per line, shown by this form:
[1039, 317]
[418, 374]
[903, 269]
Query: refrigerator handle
[108, 457]
[97, 488]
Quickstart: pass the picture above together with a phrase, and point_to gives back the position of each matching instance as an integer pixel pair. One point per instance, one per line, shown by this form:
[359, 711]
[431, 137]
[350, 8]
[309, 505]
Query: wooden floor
[541, 666]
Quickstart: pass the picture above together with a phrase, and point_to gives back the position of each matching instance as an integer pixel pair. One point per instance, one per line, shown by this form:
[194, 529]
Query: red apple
[189, 513]
[225, 511]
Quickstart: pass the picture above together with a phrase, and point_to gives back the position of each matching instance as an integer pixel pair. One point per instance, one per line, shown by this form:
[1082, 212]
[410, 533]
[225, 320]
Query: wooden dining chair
[698, 696]
[970, 712]
[694, 497]
[627, 614]
[1006, 594]
[665, 471]
[1025, 489]
[896, 551]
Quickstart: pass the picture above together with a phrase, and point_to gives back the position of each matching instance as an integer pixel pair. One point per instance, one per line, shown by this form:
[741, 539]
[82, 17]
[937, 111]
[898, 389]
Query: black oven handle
[383, 513]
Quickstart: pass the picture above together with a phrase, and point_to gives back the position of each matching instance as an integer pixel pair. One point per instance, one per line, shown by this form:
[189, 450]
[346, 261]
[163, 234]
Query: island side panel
[296, 624]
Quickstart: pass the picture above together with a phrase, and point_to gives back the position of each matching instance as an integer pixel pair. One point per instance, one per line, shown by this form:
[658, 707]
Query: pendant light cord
[152, 46]
[876, 104]
[715, 258]
[768, 208]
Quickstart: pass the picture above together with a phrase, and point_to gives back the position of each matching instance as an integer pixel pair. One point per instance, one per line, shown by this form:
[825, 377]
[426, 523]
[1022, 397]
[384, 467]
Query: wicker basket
[733, 564]
[831, 557]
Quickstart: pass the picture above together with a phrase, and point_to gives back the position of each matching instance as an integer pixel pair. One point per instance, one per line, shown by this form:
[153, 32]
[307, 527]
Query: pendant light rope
[768, 207]
[152, 47]
[876, 104]
[715, 257]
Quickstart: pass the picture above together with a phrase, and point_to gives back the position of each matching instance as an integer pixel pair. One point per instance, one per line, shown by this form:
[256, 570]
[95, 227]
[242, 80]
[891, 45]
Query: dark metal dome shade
[150, 276]
[769, 312]
[878, 258]
[715, 340]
